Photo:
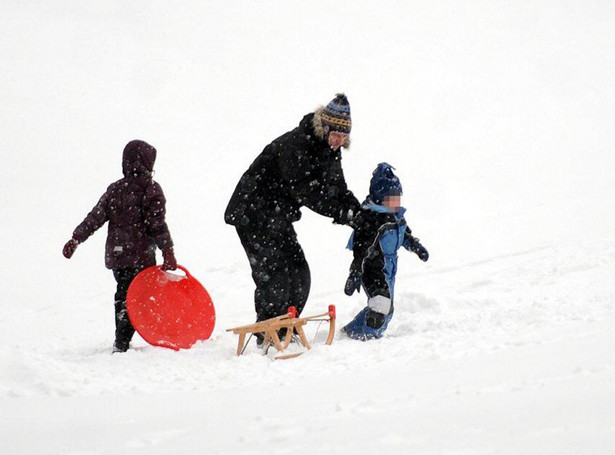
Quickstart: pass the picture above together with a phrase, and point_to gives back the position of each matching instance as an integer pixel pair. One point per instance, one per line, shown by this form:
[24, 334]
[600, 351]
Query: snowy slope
[498, 117]
[510, 355]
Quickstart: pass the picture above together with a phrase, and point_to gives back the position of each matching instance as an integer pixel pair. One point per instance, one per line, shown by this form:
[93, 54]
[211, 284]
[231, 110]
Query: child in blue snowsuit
[380, 231]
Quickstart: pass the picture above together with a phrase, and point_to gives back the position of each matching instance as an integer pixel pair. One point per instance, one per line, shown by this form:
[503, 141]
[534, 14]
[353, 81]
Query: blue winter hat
[384, 183]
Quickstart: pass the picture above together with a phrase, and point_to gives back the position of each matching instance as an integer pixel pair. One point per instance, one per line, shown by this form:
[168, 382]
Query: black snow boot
[123, 328]
[120, 346]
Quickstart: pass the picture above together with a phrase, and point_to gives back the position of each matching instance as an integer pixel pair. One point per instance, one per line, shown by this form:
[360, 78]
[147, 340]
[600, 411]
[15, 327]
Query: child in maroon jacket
[135, 209]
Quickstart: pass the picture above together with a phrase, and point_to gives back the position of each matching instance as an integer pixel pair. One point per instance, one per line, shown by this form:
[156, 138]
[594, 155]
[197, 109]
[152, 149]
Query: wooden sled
[269, 328]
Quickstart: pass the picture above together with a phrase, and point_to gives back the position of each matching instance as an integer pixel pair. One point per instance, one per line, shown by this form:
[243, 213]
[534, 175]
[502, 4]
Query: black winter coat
[135, 209]
[297, 169]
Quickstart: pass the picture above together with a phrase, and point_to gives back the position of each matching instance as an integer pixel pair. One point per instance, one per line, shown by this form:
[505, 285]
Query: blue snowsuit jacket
[374, 242]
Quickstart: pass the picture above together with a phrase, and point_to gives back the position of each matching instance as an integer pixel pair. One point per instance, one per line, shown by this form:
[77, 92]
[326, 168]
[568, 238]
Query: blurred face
[336, 139]
[392, 201]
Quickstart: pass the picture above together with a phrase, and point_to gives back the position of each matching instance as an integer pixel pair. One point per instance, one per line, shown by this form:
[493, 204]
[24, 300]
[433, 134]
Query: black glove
[69, 248]
[169, 262]
[420, 250]
[344, 216]
[353, 283]
[357, 219]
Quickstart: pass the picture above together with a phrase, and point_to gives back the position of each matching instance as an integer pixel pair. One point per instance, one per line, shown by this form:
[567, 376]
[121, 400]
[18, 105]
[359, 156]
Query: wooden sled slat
[289, 321]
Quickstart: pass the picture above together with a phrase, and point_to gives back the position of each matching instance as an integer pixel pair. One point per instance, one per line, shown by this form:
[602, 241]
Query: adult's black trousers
[279, 269]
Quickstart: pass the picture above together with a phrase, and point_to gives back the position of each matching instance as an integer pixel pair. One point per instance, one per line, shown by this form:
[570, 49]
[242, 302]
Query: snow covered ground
[498, 117]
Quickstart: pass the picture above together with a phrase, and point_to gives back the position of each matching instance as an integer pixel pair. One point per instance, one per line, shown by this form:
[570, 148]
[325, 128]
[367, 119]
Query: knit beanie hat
[336, 115]
[384, 183]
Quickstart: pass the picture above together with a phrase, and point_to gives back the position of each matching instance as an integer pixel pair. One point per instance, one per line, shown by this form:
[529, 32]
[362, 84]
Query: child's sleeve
[412, 244]
[409, 240]
[94, 220]
[362, 238]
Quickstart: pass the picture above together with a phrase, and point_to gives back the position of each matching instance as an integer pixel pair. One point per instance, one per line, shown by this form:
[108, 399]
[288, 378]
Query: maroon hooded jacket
[135, 209]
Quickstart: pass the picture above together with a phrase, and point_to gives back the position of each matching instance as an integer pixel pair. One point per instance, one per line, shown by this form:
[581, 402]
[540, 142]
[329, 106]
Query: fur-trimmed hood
[321, 130]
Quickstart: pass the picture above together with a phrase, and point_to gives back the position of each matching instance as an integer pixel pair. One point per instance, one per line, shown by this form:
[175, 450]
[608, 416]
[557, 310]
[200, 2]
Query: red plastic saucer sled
[170, 310]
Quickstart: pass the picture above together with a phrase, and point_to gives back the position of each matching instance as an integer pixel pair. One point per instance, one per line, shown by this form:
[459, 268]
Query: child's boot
[123, 327]
[368, 324]
[120, 346]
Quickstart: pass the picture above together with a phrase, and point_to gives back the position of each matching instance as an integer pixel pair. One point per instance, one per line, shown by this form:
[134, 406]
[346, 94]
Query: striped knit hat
[336, 115]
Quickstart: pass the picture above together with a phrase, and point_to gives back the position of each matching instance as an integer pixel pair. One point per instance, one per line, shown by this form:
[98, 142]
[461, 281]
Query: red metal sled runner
[170, 310]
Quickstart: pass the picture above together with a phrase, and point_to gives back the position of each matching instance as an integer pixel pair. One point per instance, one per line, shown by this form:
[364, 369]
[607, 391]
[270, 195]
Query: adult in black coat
[300, 168]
